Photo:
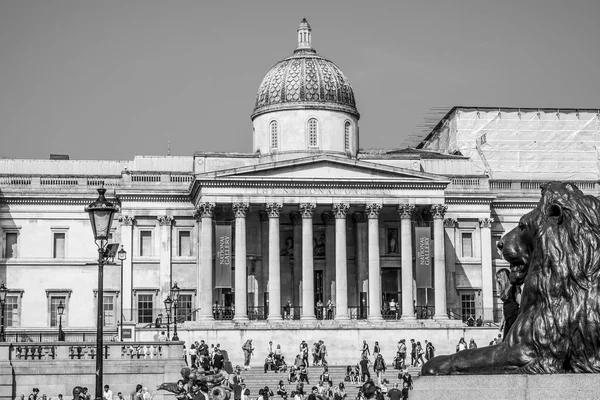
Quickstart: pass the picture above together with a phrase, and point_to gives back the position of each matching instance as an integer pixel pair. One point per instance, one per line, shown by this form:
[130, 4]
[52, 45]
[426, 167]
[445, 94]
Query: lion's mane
[560, 311]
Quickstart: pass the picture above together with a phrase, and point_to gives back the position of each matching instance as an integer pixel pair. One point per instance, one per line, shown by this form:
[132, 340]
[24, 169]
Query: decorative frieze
[340, 210]
[486, 222]
[240, 210]
[126, 220]
[273, 209]
[165, 220]
[450, 223]
[406, 211]
[438, 211]
[373, 210]
[204, 210]
[307, 209]
[328, 218]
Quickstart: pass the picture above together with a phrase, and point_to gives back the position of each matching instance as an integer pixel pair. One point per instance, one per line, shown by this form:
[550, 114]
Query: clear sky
[114, 78]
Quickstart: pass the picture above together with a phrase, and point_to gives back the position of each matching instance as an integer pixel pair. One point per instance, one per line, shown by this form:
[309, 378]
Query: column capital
[307, 210]
[240, 210]
[486, 222]
[450, 222]
[296, 218]
[359, 217]
[328, 217]
[406, 211]
[165, 220]
[438, 211]
[126, 220]
[273, 209]
[340, 210]
[204, 210]
[373, 210]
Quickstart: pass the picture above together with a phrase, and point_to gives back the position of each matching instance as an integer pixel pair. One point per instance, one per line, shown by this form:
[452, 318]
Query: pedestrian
[137, 395]
[413, 352]
[340, 392]
[379, 367]
[462, 345]
[322, 352]
[281, 390]
[34, 394]
[107, 394]
[193, 356]
[420, 353]
[364, 369]
[376, 349]
[248, 351]
[402, 353]
[365, 349]
[429, 350]
[394, 393]
[304, 374]
[472, 344]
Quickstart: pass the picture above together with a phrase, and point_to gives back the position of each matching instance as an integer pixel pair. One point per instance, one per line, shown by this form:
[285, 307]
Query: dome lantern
[304, 37]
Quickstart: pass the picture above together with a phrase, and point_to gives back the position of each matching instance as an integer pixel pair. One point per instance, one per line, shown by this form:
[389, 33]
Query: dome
[305, 80]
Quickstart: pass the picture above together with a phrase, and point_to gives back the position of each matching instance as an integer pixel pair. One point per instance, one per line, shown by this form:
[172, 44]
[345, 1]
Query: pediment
[326, 167]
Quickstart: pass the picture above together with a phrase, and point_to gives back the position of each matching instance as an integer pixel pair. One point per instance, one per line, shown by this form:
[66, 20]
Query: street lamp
[122, 256]
[168, 304]
[175, 297]
[3, 293]
[101, 213]
[61, 310]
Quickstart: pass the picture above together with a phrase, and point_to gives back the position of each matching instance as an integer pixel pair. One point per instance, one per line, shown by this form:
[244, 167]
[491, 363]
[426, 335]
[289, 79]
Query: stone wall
[58, 367]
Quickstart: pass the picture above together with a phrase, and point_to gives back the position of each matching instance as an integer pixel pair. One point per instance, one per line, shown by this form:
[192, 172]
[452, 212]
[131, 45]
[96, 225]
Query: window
[185, 248]
[313, 133]
[145, 303]
[496, 253]
[274, 135]
[59, 245]
[467, 304]
[347, 136]
[467, 244]
[54, 302]
[145, 243]
[109, 310]
[184, 307]
[11, 311]
[10, 248]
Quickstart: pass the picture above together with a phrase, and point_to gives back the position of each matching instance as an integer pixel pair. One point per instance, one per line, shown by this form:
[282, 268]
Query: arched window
[313, 133]
[274, 135]
[347, 136]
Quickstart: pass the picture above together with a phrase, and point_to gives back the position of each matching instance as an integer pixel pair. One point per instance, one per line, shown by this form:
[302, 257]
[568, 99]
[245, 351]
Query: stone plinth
[504, 387]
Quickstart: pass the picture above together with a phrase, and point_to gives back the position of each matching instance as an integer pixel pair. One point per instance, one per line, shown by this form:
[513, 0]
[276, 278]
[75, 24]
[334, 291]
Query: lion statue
[554, 253]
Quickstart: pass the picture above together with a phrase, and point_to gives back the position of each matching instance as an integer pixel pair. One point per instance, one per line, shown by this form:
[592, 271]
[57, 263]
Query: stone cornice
[379, 184]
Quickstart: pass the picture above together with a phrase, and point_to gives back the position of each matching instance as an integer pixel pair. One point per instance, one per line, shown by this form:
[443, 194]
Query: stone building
[306, 226]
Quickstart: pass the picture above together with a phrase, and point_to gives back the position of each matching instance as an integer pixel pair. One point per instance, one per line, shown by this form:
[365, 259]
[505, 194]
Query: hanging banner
[423, 256]
[223, 252]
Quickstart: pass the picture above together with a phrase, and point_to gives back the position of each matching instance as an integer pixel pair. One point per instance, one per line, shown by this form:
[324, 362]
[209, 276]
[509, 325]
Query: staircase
[256, 379]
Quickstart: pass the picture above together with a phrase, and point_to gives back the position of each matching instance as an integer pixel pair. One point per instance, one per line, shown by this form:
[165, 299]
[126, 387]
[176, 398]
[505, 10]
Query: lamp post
[168, 304]
[122, 256]
[175, 297]
[61, 310]
[3, 293]
[101, 213]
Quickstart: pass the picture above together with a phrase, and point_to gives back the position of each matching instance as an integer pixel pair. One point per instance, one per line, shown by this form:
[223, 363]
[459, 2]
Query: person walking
[413, 352]
[379, 368]
[420, 353]
[365, 349]
[364, 369]
[429, 350]
[248, 351]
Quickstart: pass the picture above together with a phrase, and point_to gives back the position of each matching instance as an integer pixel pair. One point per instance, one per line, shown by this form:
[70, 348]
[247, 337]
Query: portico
[299, 212]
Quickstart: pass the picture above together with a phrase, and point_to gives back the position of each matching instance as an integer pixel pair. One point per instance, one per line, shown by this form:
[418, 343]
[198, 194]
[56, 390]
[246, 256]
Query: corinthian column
[127, 271]
[274, 285]
[241, 306]
[204, 212]
[439, 261]
[406, 212]
[164, 275]
[308, 283]
[341, 259]
[373, 211]
[486, 268]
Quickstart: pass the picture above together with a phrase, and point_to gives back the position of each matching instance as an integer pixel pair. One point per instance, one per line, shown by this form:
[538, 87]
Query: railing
[32, 336]
[223, 313]
[15, 180]
[181, 178]
[459, 181]
[258, 313]
[57, 181]
[291, 312]
[424, 312]
[471, 318]
[586, 186]
[148, 316]
[358, 312]
[103, 181]
[325, 312]
[453, 314]
[145, 178]
[87, 351]
[389, 314]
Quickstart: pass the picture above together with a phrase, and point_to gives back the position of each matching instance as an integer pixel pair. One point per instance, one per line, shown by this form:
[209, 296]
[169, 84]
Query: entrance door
[362, 308]
[318, 293]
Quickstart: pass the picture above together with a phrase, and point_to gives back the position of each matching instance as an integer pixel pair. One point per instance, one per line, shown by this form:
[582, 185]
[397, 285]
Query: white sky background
[111, 79]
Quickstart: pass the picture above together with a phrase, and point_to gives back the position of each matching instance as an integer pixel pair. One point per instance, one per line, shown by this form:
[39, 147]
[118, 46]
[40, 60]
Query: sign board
[423, 256]
[223, 252]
